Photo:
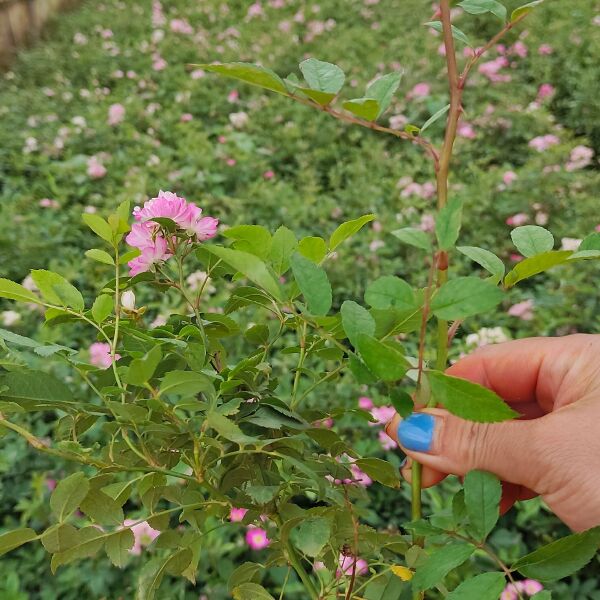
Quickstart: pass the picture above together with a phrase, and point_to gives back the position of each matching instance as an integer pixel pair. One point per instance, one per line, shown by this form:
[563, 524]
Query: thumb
[446, 443]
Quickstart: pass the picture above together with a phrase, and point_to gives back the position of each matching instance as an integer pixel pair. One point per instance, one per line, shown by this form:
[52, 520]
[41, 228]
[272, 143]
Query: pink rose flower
[466, 130]
[366, 403]
[545, 91]
[543, 142]
[237, 514]
[150, 256]
[580, 157]
[95, 169]
[509, 177]
[269, 174]
[387, 443]
[517, 220]
[100, 355]
[143, 535]
[545, 49]
[522, 310]
[382, 414]
[256, 538]
[116, 114]
[346, 566]
[420, 90]
[186, 117]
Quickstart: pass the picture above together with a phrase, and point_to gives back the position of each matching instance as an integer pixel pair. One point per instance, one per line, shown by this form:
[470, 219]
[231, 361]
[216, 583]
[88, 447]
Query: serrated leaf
[535, 265]
[436, 116]
[154, 572]
[482, 501]
[447, 224]
[68, 495]
[228, 429]
[88, 543]
[283, 245]
[463, 297]
[383, 90]
[487, 586]
[348, 229]
[356, 320]
[524, 10]
[101, 508]
[313, 283]
[100, 256]
[14, 291]
[102, 308]
[322, 98]
[322, 76]
[59, 538]
[480, 7]
[457, 34]
[414, 237]
[532, 239]
[390, 291]
[249, 73]
[118, 545]
[560, 558]
[468, 400]
[364, 108]
[311, 535]
[185, 383]
[248, 265]
[15, 538]
[245, 573]
[57, 290]
[402, 402]
[488, 260]
[141, 370]
[383, 360]
[440, 563]
[313, 248]
[99, 226]
[32, 389]
[379, 470]
[254, 239]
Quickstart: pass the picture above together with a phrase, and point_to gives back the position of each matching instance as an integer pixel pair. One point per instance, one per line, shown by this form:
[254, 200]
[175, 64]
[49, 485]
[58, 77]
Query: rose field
[219, 282]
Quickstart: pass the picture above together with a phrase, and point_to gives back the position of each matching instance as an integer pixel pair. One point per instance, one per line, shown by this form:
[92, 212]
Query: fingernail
[416, 432]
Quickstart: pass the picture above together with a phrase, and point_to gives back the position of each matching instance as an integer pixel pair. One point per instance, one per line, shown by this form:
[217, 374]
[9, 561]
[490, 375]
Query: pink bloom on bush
[527, 586]
[543, 142]
[366, 403]
[427, 222]
[116, 113]
[233, 96]
[186, 117]
[50, 484]
[256, 538]
[520, 49]
[466, 130]
[568, 243]
[522, 310]
[545, 49]
[580, 157]
[420, 90]
[181, 26]
[517, 220]
[382, 414]
[387, 443]
[48, 203]
[509, 177]
[545, 91]
[198, 73]
[359, 476]
[100, 355]
[326, 423]
[255, 10]
[237, 514]
[95, 169]
[205, 228]
[150, 256]
[491, 70]
[159, 63]
[269, 174]
[143, 535]
[346, 566]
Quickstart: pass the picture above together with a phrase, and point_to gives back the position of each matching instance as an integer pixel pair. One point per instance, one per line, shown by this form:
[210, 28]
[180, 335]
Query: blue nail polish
[416, 432]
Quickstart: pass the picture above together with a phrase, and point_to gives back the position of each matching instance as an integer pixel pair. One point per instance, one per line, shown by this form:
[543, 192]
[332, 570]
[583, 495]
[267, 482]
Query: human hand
[553, 450]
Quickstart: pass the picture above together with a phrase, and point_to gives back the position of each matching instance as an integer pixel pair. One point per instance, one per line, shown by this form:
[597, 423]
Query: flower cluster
[256, 537]
[146, 234]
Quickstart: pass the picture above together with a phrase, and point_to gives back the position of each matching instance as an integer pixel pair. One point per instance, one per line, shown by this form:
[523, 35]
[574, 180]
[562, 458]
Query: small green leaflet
[468, 400]
[100, 256]
[487, 586]
[532, 239]
[348, 229]
[68, 495]
[283, 245]
[322, 76]
[488, 260]
[364, 108]
[313, 283]
[379, 470]
[14, 291]
[465, 296]
[457, 34]
[314, 248]
[356, 320]
[414, 237]
[57, 290]
[383, 89]
[434, 117]
[102, 308]
[535, 265]
[390, 291]
[99, 226]
[480, 7]
[253, 74]
[482, 501]
[383, 360]
[251, 591]
[322, 98]
[440, 563]
[447, 224]
[15, 538]
[311, 535]
[521, 11]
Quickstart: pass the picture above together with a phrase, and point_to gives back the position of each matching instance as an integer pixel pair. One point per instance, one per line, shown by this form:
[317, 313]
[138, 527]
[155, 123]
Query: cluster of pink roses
[256, 537]
[146, 234]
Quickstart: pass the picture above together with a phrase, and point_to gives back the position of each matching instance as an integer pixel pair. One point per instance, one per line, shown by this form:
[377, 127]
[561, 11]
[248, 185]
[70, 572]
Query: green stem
[294, 400]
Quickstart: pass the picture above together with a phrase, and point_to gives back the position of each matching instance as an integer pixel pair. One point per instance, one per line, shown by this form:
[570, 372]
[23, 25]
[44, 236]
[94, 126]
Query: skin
[553, 450]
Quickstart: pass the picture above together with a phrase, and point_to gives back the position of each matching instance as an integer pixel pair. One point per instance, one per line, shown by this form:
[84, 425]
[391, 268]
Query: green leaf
[101, 508]
[560, 558]
[487, 586]
[524, 10]
[480, 7]
[482, 501]
[360, 371]
[436, 116]
[245, 573]
[440, 563]
[14, 291]
[283, 245]
[13, 539]
[68, 495]
[313, 248]
[457, 34]
[322, 76]
[100, 256]
[118, 545]
[468, 400]
[57, 290]
[364, 108]
[251, 591]
[590, 242]
[228, 429]
[248, 265]
[348, 229]
[447, 224]
[313, 283]
[463, 297]
[311, 535]
[88, 542]
[535, 265]
[102, 308]
[488, 260]
[99, 226]
[153, 573]
[390, 291]
[383, 360]
[140, 370]
[59, 538]
[414, 237]
[254, 239]
[356, 320]
[379, 470]
[249, 73]
[383, 90]
[186, 383]
[543, 595]
[402, 402]
[37, 347]
[322, 98]
[531, 240]
[34, 389]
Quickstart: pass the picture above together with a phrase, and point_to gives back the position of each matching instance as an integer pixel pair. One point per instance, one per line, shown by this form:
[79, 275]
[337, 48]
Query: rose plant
[205, 421]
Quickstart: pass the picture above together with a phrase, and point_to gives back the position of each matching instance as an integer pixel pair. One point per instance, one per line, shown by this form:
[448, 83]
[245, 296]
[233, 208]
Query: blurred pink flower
[48, 203]
[233, 96]
[100, 355]
[522, 310]
[116, 114]
[491, 68]
[387, 443]
[527, 586]
[269, 174]
[382, 414]
[545, 91]
[366, 403]
[519, 48]
[95, 169]
[143, 535]
[255, 10]
[346, 566]
[427, 222]
[580, 157]
[257, 538]
[543, 142]
[237, 514]
[359, 476]
[508, 177]
[420, 90]
[150, 256]
[181, 26]
[326, 423]
[466, 130]
[159, 63]
[186, 117]
[568, 243]
[198, 73]
[517, 220]
[545, 49]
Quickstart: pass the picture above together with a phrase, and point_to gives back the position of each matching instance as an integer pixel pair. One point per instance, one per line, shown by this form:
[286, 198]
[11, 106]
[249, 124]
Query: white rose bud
[128, 300]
